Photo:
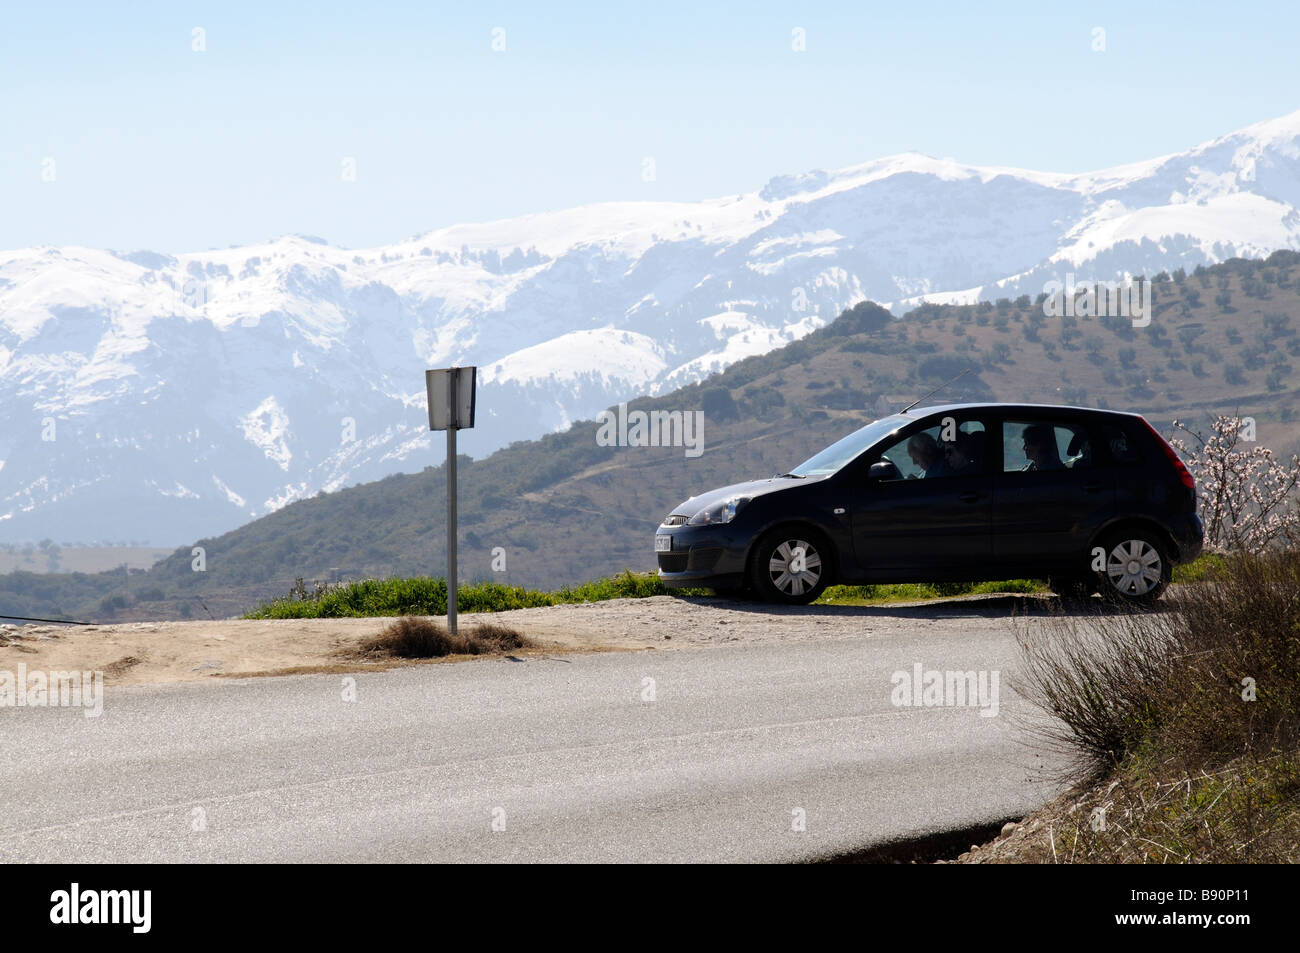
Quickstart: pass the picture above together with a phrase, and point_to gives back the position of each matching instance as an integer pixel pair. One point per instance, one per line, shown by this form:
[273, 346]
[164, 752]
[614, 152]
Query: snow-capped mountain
[165, 397]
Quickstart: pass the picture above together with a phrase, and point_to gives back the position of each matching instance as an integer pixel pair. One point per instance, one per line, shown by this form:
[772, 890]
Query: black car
[1092, 500]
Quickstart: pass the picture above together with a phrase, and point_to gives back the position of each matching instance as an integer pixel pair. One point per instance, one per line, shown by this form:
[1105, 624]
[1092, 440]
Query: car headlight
[723, 512]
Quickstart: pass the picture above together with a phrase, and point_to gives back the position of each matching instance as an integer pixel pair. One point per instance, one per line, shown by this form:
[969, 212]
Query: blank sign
[448, 412]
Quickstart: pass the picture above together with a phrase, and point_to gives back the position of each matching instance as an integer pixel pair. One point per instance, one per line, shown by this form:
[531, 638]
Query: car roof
[917, 412]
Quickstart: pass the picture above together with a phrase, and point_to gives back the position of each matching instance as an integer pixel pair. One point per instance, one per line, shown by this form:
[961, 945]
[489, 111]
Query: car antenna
[933, 392]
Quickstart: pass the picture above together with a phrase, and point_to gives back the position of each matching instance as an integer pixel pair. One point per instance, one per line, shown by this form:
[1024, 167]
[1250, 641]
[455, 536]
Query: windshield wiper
[795, 476]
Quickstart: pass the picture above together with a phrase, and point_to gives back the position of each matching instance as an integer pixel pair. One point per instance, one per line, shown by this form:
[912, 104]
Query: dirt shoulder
[141, 653]
[151, 652]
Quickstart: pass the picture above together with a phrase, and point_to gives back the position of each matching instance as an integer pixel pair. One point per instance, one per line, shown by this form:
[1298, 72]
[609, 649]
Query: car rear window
[1124, 449]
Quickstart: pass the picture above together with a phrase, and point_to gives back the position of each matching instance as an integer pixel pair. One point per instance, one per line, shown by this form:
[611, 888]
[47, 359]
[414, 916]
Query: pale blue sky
[157, 146]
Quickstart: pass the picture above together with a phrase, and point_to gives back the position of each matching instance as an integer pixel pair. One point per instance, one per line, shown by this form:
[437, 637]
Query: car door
[935, 517]
[1050, 492]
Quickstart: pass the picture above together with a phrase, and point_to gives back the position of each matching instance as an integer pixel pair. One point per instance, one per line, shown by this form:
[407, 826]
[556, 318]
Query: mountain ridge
[192, 392]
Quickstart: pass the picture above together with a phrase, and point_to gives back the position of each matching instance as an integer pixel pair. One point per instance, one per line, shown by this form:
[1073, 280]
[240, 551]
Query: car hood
[751, 489]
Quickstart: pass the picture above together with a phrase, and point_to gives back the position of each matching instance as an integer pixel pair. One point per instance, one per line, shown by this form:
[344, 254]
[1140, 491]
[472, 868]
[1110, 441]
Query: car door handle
[970, 496]
[1092, 486]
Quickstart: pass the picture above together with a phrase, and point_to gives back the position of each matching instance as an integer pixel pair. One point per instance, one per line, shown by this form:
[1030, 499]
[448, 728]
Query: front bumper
[703, 556]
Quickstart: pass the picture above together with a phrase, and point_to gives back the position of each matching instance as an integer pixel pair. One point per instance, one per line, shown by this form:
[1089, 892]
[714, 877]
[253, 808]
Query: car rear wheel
[1137, 567]
[791, 565]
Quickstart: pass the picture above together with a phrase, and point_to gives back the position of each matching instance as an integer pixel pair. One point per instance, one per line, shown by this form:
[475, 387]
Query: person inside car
[926, 454]
[1040, 449]
[963, 455]
[1078, 455]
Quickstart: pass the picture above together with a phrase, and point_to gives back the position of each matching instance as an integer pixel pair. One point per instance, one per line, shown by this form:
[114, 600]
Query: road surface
[766, 751]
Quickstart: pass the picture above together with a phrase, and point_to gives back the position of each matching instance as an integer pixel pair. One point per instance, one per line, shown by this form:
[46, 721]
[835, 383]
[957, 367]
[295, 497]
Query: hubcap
[1134, 567]
[795, 567]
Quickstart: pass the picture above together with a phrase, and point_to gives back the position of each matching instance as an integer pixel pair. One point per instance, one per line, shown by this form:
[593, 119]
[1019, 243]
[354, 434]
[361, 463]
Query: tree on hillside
[762, 401]
[1277, 323]
[717, 404]
[942, 367]
[865, 317]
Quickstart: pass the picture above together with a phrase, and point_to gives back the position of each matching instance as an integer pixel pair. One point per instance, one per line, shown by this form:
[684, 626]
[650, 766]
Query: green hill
[564, 509]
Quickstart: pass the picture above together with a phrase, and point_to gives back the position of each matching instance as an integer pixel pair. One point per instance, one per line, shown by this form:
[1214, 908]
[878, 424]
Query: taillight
[1175, 460]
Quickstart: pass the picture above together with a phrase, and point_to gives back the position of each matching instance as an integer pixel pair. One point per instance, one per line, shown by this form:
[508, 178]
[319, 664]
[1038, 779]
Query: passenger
[1040, 449]
[926, 454]
[964, 457]
[1078, 453]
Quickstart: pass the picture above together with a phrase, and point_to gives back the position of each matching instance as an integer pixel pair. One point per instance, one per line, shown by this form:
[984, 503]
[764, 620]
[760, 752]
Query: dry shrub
[414, 637]
[1176, 682]
[1184, 724]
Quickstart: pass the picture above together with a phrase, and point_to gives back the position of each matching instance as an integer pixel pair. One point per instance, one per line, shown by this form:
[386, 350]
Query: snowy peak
[613, 357]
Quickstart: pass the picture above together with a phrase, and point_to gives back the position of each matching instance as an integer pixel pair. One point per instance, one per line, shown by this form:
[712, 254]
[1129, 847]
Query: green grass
[1206, 567]
[915, 592]
[426, 595]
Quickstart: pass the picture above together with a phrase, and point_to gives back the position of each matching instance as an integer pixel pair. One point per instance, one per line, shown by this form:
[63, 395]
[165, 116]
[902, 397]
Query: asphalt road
[567, 756]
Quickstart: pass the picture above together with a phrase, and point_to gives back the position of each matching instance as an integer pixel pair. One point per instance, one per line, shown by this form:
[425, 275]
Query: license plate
[663, 544]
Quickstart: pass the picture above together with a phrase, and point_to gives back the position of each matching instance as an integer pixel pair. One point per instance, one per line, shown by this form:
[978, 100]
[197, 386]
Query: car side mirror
[882, 470]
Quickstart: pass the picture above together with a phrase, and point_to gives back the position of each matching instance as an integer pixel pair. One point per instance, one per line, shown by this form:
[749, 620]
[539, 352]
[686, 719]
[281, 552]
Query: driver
[926, 454]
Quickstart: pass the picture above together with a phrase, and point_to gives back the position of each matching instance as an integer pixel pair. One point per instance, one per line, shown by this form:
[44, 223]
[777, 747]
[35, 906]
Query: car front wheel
[791, 566]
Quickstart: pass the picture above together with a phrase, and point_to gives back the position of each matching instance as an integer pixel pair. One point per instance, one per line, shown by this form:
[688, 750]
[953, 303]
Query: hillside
[1223, 339]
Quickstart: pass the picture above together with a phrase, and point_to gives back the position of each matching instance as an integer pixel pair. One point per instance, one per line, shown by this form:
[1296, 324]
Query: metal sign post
[452, 576]
[450, 391]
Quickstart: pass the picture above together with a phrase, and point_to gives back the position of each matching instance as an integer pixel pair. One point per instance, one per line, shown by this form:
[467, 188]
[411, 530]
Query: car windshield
[841, 452]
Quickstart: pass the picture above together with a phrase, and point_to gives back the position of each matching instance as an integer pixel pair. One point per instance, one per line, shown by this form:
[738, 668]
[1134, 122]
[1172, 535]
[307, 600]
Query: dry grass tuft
[415, 637]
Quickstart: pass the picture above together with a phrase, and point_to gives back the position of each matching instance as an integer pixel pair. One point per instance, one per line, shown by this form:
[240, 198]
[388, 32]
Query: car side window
[1030, 446]
[953, 447]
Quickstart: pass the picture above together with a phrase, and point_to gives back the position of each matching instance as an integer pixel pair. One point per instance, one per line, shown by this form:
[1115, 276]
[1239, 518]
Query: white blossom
[1248, 499]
